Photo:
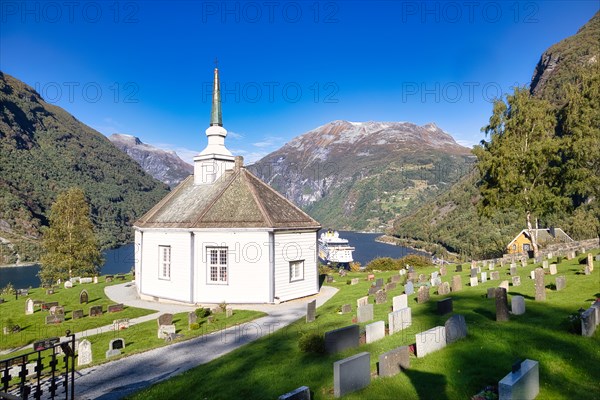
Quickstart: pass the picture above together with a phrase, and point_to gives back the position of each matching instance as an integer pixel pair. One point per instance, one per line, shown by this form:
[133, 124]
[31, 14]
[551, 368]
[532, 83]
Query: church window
[296, 270]
[164, 263]
[217, 265]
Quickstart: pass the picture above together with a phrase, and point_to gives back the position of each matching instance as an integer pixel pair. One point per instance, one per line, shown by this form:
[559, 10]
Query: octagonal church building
[224, 235]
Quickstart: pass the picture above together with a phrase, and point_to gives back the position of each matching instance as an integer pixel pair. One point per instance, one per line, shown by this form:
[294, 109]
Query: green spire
[215, 115]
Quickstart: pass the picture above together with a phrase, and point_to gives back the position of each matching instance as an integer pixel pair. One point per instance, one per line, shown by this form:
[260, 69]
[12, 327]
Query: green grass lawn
[274, 365]
[33, 327]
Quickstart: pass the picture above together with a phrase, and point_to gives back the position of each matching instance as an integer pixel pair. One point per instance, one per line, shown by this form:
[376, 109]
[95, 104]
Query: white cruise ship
[333, 249]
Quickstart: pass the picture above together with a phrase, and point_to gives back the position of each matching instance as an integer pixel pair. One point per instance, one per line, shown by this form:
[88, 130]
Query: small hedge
[202, 312]
[390, 264]
[312, 343]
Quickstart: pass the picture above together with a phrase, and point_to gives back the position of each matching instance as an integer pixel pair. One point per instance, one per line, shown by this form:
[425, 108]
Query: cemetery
[527, 340]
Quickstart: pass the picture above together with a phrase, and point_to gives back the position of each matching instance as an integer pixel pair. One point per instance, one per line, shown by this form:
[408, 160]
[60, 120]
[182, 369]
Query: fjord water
[121, 259]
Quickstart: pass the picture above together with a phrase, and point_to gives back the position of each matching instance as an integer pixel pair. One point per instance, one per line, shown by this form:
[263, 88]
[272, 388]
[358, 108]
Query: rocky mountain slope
[359, 175]
[166, 166]
[45, 150]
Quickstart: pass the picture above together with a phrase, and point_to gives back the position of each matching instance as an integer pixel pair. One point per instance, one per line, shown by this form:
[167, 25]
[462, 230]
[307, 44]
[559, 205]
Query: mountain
[166, 166]
[451, 219]
[44, 150]
[359, 175]
[563, 62]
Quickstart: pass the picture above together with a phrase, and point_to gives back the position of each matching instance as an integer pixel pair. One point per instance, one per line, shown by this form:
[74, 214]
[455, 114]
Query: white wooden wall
[291, 247]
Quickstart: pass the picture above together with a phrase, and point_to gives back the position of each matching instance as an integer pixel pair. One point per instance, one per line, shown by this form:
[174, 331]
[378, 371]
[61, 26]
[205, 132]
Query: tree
[70, 245]
[519, 163]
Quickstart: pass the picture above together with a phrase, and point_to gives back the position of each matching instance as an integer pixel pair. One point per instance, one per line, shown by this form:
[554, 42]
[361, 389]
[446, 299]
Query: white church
[224, 235]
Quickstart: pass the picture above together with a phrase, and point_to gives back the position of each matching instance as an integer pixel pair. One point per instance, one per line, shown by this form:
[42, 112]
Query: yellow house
[522, 242]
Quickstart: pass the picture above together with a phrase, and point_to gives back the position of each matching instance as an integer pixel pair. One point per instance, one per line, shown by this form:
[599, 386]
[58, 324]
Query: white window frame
[296, 270]
[217, 262]
[164, 265]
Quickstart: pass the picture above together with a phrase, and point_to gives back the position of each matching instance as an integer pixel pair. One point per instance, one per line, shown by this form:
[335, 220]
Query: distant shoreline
[386, 239]
[28, 264]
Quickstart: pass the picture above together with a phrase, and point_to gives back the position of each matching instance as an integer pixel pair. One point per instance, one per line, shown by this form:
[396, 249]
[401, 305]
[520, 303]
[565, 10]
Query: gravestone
[540, 289]
[545, 264]
[115, 308]
[49, 291]
[351, 374]
[192, 318]
[431, 340]
[84, 353]
[68, 284]
[166, 330]
[29, 307]
[523, 263]
[354, 281]
[513, 265]
[473, 281]
[553, 269]
[84, 297]
[504, 285]
[436, 281]
[495, 275]
[491, 293]
[95, 311]
[370, 277]
[165, 319]
[532, 275]
[409, 288]
[456, 283]
[120, 324]
[513, 270]
[517, 304]
[399, 320]
[458, 268]
[311, 311]
[379, 282]
[473, 272]
[390, 286]
[597, 258]
[373, 290]
[422, 278]
[501, 305]
[561, 282]
[590, 262]
[443, 271]
[456, 328]
[473, 264]
[380, 297]
[114, 347]
[483, 277]
[341, 339]
[77, 314]
[586, 270]
[302, 393]
[522, 384]
[363, 301]
[396, 278]
[589, 322]
[48, 306]
[444, 289]
[85, 280]
[346, 308]
[423, 294]
[375, 331]
[444, 306]
[399, 302]
[402, 272]
[412, 276]
[392, 362]
[55, 319]
[95, 279]
[342, 272]
[364, 313]
[516, 280]
[570, 255]
[329, 279]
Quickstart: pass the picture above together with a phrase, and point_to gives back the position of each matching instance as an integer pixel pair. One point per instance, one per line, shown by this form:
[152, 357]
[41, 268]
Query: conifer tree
[70, 245]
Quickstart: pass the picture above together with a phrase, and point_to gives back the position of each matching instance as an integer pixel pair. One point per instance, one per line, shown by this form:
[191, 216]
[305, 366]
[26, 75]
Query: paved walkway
[116, 379]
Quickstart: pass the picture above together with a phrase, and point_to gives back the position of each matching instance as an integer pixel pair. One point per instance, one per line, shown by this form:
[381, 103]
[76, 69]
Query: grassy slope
[273, 365]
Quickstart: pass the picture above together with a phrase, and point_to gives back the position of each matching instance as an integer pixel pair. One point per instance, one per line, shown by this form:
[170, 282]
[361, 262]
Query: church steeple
[215, 159]
[216, 118]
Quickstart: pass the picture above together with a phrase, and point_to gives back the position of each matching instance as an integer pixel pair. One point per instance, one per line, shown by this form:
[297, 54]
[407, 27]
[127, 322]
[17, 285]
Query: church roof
[238, 199]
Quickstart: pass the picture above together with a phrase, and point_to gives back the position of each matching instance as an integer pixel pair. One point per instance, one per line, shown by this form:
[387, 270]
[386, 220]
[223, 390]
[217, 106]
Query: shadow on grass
[428, 385]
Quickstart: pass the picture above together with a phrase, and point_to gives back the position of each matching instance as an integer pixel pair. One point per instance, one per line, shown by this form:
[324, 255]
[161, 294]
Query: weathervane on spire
[215, 115]
[216, 62]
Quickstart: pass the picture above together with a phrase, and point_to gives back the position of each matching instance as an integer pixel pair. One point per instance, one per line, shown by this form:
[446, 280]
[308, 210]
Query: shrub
[194, 326]
[572, 323]
[348, 281]
[324, 270]
[383, 264]
[558, 259]
[223, 306]
[8, 289]
[202, 312]
[415, 261]
[355, 266]
[312, 343]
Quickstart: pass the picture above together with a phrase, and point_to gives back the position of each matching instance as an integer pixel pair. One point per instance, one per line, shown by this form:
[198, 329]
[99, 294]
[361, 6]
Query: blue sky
[145, 67]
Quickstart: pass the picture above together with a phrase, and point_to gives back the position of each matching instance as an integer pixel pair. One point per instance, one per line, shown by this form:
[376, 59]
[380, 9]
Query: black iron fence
[39, 374]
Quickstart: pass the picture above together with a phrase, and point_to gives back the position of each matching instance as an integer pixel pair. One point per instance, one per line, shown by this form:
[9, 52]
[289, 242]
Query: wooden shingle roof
[238, 199]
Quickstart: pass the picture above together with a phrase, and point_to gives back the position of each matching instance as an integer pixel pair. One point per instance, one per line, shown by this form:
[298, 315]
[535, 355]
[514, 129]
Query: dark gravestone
[409, 288]
[561, 282]
[1, 300]
[373, 290]
[491, 293]
[77, 314]
[392, 362]
[302, 393]
[588, 322]
[49, 291]
[444, 306]
[115, 308]
[379, 282]
[456, 328]
[540, 289]
[165, 319]
[55, 319]
[108, 278]
[501, 305]
[351, 374]
[84, 297]
[456, 283]
[95, 311]
[341, 339]
[311, 311]
[117, 344]
[458, 268]
[47, 306]
[390, 286]
[380, 297]
[120, 277]
[423, 294]
[473, 272]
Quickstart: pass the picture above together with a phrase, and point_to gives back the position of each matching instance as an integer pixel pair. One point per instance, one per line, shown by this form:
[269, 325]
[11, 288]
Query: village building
[545, 236]
[223, 235]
